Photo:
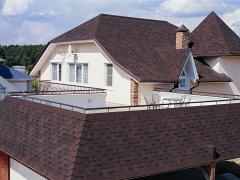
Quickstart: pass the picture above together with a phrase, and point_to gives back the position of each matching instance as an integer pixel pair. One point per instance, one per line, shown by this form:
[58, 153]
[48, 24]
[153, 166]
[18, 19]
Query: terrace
[89, 100]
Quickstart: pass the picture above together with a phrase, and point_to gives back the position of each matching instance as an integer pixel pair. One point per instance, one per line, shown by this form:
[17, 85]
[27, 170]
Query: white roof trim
[193, 65]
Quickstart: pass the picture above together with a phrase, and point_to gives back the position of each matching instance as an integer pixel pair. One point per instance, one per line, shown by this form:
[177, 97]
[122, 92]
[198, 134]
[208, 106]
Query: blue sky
[38, 21]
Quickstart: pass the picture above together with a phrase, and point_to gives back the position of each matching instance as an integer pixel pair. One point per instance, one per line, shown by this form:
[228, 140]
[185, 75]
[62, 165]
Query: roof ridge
[129, 17]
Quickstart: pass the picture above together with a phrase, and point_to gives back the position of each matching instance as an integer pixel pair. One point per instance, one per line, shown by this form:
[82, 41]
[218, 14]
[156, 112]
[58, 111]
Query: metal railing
[202, 93]
[129, 108]
[52, 88]
[52, 103]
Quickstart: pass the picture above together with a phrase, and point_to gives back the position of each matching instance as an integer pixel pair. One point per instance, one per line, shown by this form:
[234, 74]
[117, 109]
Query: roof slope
[62, 144]
[11, 73]
[207, 74]
[212, 37]
[41, 137]
[144, 48]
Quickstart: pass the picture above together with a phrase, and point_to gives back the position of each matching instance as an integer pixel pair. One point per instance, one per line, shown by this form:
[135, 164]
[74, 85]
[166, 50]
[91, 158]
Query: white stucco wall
[20, 85]
[146, 90]
[9, 86]
[20, 172]
[92, 55]
[80, 100]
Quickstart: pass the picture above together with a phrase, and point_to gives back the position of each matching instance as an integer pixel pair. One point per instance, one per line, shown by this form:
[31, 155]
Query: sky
[38, 21]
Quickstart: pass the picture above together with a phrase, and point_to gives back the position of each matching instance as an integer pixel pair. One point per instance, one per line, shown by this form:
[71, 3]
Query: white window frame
[106, 75]
[75, 73]
[58, 65]
[183, 77]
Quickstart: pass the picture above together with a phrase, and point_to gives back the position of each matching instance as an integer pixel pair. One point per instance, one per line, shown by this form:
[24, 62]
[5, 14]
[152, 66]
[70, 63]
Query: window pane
[71, 72]
[109, 75]
[182, 83]
[59, 72]
[79, 73]
[85, 73]
[54, 71]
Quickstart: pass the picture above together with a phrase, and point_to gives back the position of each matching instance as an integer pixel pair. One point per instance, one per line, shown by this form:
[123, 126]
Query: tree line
[23, 55]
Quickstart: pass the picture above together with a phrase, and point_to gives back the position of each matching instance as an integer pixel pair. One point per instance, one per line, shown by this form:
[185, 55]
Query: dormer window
[183, 84]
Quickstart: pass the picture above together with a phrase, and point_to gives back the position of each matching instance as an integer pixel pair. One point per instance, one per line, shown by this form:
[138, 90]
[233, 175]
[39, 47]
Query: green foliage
[23, 55]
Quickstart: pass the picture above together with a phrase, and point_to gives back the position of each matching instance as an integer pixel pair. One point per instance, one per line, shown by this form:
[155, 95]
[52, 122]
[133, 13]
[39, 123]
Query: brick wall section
[182, 40]
[4, 166]
[134, 92]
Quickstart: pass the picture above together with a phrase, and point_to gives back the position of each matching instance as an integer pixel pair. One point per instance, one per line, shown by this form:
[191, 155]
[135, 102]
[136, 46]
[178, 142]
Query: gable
[190, 69]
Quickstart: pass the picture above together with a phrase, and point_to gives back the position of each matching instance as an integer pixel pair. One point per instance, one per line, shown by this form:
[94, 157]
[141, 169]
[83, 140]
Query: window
[183, 80]
[56, 72]
[78, 73]
[109, 74]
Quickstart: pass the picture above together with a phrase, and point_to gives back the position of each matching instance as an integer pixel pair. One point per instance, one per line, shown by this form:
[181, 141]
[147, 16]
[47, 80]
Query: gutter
[198, 83]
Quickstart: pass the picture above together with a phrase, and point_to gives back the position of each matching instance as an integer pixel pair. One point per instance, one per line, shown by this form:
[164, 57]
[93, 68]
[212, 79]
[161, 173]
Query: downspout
[198, 83]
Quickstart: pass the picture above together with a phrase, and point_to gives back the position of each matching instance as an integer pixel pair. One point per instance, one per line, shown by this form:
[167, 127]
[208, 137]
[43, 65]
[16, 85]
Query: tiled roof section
[84, 31]
[209, 75]
[11, 73]
[144, 48]
[64, 145]
[212, 37]
[141, 143]
[44, 138]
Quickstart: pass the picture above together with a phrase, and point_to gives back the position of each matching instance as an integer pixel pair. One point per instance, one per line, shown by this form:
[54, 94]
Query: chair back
[155, 99]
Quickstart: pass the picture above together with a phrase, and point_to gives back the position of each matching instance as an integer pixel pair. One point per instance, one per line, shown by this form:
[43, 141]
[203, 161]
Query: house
[13, 80]
[88, 118]
[130, 57]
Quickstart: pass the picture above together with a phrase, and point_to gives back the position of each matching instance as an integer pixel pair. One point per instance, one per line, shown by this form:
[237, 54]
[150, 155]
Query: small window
[78, 73]
[56, 72]
[72, 73]
[183, 80]
[109, 74]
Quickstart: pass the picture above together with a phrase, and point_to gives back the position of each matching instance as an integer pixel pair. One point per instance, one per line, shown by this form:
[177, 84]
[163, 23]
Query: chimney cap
[182, 28]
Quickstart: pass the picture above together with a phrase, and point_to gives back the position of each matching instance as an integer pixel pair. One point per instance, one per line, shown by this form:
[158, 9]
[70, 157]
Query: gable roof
[12, 74]
[212, 37]
[144, 48]
[64, 145]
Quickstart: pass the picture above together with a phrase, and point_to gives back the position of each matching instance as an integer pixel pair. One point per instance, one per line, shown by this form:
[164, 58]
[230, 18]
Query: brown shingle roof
[65, 145]
[207, 74]
[144, 48]
[212, 37]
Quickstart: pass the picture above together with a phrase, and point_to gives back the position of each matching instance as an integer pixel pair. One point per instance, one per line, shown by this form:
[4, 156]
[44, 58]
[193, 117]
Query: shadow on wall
[224, 88]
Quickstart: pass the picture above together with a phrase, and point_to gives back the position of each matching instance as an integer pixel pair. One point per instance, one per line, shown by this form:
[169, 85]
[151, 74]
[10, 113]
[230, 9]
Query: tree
[23, 55]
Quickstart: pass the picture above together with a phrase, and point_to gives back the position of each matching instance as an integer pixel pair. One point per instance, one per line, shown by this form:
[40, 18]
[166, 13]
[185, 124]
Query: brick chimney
[182, 37]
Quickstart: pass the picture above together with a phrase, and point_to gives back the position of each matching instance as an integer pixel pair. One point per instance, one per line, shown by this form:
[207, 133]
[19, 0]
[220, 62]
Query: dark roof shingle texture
[146, 49]
[209, 75]
[212, 37]
[65, 145]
